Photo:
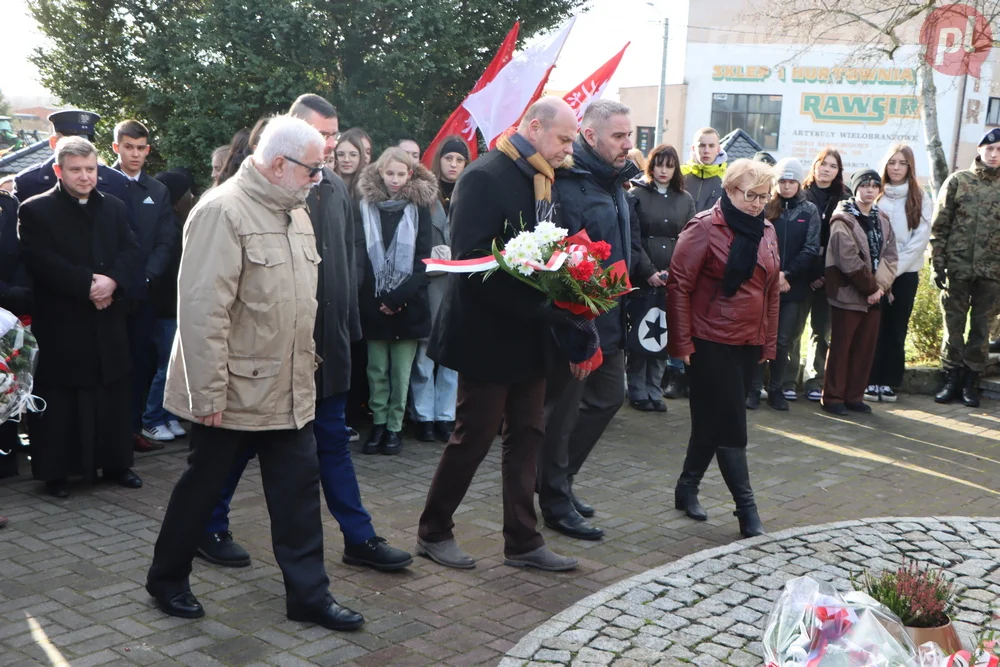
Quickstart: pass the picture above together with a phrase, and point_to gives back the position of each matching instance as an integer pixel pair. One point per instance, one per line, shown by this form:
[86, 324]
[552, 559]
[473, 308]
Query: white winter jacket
[911, 244]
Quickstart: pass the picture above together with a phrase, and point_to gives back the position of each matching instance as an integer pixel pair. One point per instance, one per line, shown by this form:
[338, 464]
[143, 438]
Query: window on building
[757, 115]
[993, 112]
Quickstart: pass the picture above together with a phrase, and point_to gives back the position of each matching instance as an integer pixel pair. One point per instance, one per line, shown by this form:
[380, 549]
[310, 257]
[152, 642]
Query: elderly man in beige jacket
[242, 369]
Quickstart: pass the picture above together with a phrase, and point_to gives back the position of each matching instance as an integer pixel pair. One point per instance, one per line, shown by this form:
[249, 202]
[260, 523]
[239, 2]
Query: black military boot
[952, 388]
[970, 389]
[733, 464]
[686, 493]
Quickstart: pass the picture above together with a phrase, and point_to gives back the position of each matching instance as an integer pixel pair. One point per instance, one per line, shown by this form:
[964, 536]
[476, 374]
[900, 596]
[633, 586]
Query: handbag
[646, 311]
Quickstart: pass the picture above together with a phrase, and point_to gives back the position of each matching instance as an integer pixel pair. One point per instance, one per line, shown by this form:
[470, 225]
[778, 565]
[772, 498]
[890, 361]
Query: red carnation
[582, 272]
[600, 249]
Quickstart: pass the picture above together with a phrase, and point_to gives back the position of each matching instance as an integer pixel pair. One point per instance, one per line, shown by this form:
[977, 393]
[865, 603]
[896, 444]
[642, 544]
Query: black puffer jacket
[798, 229]
[590, 197]
[413, 321]
[825, 200]
[662, 216]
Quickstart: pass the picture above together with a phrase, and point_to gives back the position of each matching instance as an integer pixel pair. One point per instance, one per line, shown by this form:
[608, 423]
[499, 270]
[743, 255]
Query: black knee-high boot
[733, 464]
[696, 462]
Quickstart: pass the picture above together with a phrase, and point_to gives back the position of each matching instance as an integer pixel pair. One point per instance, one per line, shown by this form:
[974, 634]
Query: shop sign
[866, 109]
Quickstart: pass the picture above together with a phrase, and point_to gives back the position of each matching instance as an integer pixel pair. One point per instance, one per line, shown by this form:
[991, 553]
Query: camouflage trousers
[976, 302]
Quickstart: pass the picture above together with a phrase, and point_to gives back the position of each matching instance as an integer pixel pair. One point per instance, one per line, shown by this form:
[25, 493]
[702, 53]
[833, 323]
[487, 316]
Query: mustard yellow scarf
[545, 175]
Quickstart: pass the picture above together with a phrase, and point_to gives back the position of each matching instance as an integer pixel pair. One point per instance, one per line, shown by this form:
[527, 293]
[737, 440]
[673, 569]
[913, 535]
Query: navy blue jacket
[798, 230]
[15, 289]
[590, 196]
[155, 229]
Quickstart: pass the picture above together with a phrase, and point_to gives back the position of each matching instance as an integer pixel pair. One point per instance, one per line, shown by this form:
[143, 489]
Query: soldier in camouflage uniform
[965, 244]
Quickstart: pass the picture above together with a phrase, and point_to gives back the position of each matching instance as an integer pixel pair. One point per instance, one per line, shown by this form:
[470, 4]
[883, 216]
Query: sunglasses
[312, 170]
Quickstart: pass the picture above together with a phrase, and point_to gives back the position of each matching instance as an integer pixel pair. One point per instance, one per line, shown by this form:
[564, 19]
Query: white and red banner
[502, 101]
[460, 122]
[592, 88]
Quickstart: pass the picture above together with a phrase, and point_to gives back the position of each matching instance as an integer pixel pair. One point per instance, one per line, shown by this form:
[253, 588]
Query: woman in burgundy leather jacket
[722, 315]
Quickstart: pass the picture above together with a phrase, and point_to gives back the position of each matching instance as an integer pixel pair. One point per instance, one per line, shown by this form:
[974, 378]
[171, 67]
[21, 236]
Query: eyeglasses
[330, 135]
[312, 170]
[750, 197]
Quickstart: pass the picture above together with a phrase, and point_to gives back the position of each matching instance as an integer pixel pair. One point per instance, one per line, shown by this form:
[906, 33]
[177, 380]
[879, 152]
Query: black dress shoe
[861, 407]
[838, 409]
[393, 443]
[181, 605]
[424, 431]
[377, 554]
[658, 405]
[125, 478]
[222, 549]
[333, 617]
[443, 431]
[753, 399]
[375, 440]
[777, 400]
[642, 406]
[582, 508]
[57, 488]
[574, 525]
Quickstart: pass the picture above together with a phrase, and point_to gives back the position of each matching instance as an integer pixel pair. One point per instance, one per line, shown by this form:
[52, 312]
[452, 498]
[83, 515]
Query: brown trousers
[480, 408]
[853, 337]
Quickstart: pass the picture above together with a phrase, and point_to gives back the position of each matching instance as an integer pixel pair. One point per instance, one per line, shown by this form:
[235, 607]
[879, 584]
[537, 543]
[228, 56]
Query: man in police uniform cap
[41, 177]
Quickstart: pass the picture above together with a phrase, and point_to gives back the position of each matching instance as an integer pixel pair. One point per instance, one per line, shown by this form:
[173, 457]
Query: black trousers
[290, 473]
[719, 378]
[576, 414]
[890, 350]
[791, 322]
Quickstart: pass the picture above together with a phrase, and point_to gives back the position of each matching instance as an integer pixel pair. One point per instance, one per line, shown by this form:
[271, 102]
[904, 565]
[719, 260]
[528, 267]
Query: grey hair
[600, 112]
[286, 136]
[78, 146]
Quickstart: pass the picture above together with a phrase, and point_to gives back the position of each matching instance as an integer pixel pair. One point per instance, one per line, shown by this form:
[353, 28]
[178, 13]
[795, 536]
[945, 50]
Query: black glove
[940, 277]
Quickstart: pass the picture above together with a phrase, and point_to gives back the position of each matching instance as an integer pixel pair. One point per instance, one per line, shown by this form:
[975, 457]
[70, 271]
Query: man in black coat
[81, 255]
[494, 333]
[592, 199]
[337, 324]
[15, 296]
[156, 233]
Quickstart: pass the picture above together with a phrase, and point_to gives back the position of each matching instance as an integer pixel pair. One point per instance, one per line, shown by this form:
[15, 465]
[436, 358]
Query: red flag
[593, 86]
[580, 97]
[460, 122]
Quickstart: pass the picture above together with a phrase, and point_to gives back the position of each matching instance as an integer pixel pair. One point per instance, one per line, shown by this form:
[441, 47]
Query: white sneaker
[872, 393]
[352, 435]
[790, 395]
[175, 427]
[158, 433]
[888, 395]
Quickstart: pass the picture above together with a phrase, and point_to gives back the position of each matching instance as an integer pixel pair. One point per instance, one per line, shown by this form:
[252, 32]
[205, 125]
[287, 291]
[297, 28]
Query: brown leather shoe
[141, 444]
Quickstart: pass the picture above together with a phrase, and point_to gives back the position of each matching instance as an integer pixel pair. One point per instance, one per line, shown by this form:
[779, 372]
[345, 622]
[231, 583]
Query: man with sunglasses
[337, 324]
[242, 370]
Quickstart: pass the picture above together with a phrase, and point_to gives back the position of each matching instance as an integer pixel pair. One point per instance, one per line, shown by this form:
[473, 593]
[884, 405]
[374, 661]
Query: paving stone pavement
[77, 566]
[710, 608]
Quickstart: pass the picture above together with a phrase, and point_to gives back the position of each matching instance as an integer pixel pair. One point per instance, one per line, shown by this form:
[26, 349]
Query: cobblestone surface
[77, 566]
[710, 608]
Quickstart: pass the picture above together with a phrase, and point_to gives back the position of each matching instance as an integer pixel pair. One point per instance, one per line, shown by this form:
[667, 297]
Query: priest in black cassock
[80, 254]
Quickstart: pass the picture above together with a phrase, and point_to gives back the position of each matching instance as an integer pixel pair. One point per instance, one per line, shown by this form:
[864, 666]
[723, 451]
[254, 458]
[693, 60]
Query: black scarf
[748, 230]
[873, 229]
[446, 190]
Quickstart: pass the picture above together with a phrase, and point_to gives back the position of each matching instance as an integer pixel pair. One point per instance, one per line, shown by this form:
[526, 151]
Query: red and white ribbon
[488, 263]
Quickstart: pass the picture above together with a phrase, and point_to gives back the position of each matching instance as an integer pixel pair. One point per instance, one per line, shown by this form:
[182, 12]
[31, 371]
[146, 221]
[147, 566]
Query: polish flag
[593, 86]
[502, 102]
[460, 122]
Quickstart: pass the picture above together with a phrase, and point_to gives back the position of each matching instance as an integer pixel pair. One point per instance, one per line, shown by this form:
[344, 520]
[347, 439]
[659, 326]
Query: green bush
[923, 343]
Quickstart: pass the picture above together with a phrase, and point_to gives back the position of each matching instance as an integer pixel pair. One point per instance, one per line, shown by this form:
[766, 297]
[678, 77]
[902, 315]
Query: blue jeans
[434, 393]
[336, 471]
[163, 339]
[676, 364]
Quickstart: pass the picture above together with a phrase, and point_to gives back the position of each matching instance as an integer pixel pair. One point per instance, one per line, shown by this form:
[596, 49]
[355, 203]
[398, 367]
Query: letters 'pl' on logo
[957, 40]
